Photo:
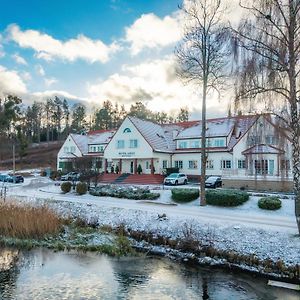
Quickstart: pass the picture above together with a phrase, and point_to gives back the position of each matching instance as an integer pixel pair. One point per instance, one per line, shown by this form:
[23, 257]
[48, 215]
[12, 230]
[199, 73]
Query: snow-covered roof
[262, 149]
[153, 133]
[100, 137]
[81, 141]
[163, 137]
[92, 138]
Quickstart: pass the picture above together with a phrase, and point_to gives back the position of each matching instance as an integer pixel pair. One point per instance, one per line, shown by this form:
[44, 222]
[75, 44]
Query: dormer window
[126, 130]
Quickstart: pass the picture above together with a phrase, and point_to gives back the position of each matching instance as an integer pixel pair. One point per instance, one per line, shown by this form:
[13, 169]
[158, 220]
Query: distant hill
[40, 155]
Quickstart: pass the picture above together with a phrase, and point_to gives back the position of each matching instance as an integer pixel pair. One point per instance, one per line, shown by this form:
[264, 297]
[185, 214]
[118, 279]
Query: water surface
[44, 274]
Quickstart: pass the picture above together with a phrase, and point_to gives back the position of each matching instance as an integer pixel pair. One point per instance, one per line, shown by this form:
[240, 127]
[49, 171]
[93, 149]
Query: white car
[175, 179]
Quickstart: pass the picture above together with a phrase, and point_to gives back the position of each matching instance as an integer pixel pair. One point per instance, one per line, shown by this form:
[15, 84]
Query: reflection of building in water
[8, 258]
[9, 272]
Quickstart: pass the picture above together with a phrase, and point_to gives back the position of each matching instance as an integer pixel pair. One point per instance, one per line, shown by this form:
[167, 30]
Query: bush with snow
[135, 193]
[185, 195]
[269, 203]
[66, 187]
[226, 197]
[81, 188]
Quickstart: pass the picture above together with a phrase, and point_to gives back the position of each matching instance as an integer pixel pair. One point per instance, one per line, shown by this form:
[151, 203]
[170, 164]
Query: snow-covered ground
[246, 229]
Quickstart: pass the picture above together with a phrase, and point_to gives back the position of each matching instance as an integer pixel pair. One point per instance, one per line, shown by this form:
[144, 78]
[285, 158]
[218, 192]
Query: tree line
[54, 119]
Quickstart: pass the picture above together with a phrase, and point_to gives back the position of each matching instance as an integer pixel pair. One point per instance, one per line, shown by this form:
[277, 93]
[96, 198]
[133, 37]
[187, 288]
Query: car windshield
[211, 179]
[173, 175]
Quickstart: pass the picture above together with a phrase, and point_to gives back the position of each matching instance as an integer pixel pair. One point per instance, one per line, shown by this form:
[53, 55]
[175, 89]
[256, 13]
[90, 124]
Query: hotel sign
[126, 154]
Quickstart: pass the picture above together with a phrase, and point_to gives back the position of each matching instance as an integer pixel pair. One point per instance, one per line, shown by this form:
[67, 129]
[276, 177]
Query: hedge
[185, 195]
[226, 197]
[270, 203]
[66, 186]
[81, 188]
[124, 192]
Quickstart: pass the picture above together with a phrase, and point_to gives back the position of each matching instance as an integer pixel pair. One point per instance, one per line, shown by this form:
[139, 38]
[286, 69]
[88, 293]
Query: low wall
[259, 184]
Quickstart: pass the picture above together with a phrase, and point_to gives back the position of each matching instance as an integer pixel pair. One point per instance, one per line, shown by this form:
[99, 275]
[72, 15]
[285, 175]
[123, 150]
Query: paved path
[38, 189]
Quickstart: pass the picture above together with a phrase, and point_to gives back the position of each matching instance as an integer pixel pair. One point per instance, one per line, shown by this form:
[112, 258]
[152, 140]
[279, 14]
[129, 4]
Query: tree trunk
[295, 126]
[203, 146]
[296, 175]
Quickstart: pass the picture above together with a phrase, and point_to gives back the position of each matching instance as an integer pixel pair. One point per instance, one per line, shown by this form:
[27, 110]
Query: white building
[241, 146]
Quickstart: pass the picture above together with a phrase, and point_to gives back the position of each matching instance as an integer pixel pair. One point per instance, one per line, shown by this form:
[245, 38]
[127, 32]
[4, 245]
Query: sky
[96, 50]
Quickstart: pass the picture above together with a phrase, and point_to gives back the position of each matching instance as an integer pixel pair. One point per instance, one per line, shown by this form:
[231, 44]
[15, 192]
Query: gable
[128, 132]
[70, 148]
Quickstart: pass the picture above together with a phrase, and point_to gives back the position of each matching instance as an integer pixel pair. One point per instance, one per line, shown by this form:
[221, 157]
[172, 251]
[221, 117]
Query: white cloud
[26, 76]
[49, 48]
[50, 81]
[40, 70]
[154, 83]
[51, 93]
[19, 59]
[2, 53]
[150, 31]
[11, 82]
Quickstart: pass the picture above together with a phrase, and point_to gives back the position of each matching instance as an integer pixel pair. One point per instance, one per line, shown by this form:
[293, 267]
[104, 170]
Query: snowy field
[245, 229]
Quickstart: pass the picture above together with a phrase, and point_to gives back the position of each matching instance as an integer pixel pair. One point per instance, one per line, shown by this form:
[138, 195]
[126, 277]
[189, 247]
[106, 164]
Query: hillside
[36, 156]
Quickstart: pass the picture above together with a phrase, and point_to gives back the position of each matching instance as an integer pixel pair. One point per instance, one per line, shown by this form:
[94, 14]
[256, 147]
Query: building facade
[241, 146]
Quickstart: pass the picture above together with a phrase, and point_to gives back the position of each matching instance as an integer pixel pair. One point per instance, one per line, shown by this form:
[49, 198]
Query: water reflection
[43, 274]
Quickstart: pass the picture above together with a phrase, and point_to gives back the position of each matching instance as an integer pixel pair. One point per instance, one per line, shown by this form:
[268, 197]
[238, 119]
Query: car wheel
[176, 182]
[185, 181]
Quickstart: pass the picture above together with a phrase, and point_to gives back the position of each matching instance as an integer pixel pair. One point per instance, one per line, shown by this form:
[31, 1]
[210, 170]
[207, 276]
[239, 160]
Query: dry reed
[25, 221]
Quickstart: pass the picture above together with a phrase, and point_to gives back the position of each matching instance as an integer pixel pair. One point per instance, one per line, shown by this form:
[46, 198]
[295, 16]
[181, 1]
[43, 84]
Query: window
[271, 140]
[182, 145]
[66, 149]
[194, 144]
[72, 149]
[219, 143]
[193, 164]
[126, 130]
[133, 143]
[225, 164]
[285, 164]
[165, 164]
[209, 164]
[120, 144]
[179, 164]
[254, 140]
[100, 148]
[148, 165]
[241, 164]
[261, 167]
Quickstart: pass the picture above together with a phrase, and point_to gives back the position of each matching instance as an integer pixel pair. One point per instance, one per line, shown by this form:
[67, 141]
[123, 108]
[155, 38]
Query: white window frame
[226, 164]
[209, 164]
[120, 144]
[193, 164]
[178, 164]
[133, 143]
[241, 164]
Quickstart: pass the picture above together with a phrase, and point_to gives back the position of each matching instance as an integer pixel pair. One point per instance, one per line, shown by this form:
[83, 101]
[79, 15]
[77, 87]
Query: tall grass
[25, 221]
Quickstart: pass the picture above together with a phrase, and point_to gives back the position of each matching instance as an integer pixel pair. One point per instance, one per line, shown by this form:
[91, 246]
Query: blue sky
[93, 50]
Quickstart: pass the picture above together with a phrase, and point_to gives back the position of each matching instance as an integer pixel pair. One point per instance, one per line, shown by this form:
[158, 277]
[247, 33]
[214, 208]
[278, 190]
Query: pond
[44, 274]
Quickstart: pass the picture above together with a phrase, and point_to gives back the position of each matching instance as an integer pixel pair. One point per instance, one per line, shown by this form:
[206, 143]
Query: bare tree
[268, 68]
[202, 57]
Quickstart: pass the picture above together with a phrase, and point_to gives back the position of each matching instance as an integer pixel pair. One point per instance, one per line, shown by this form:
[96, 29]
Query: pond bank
[267, 253]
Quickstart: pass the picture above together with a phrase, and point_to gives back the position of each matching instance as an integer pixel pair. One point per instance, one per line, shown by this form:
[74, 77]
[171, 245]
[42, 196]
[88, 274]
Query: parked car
[72, 176]
[14, 178]
[213, 182]
[175, 179]
[3, 177]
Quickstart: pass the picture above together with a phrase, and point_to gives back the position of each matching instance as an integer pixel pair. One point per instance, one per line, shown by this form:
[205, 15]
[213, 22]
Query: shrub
[28, 221]
[66, 187]
[55, 175]
[81, 188]
[226, 197]
[139, 169]
[185, 195]
[43, 173]
[270, 203]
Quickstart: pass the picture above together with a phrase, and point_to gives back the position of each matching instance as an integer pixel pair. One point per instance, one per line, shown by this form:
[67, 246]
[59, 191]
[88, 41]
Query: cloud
[50, 81]
[40, 70]
[2, 53]
[11, 82]
[150, 31]
[155, 83]
[49, 48]
[19, 59]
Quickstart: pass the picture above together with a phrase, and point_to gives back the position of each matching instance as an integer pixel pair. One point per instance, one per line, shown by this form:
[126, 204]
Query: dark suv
[213, 182]
[15, 178]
